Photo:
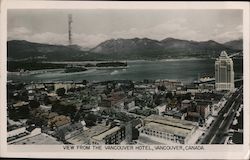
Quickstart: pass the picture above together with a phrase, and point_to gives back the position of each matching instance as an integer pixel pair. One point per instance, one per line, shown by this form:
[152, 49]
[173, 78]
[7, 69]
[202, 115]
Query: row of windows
[94, 142]
[162, 135]
[156, 132]
[174, 139]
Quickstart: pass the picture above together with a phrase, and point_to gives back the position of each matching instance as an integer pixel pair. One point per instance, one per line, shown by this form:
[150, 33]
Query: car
[225, 115]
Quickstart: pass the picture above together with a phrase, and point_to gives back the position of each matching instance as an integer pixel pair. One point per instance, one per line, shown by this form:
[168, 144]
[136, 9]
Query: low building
[16, 132]
[129, 103]
[169, 84]
[39, 139]
[193, 89]
[106, 103]
[70, 130]
[21, 104]
[161, 109]
[35, 86]
[21, 134]
[114, 135]
[100, 88]
[215, 97]
[166, 130]
[201, 111]
[204, 108]
[85, 136]
[206, 87]
[58, 121]
[194, 116]
[175, 114]
[186, 104]
[65, 85]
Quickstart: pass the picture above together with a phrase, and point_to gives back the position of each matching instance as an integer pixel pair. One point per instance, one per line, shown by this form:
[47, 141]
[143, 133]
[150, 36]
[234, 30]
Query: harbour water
[186, 70]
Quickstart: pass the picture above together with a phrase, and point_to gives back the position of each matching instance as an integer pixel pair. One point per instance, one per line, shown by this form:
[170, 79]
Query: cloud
[89, 41]
[228, 35]
[168, 29]
[16, 32]
[173, 28]
[219, 25]
[22, 33]
[84, 40]
[158, 32]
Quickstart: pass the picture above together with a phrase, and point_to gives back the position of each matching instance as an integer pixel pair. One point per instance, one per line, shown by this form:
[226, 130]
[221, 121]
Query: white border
[211, 152]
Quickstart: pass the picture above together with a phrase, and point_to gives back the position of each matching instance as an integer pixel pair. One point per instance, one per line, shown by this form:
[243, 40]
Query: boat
[206, 79]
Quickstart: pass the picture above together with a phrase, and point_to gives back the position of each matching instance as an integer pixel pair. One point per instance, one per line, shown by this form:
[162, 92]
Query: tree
[90, 119]
[72, 90]
[60, 91]
[34, 104]
[162, 88]
[20, 113]
[64, 109]
[24, 96]
[135, 134]
[46, 100]
[169, 95]
[84, 82]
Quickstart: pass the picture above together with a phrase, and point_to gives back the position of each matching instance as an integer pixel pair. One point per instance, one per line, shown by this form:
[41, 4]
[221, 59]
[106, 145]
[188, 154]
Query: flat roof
[20, 104]
[106, 133]
[148, 140]
[39, 139]
[83, 137]
[174, 122]
[167, 129]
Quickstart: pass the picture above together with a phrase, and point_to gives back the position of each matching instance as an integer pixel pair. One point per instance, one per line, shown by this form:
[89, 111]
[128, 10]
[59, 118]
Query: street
[217, 132]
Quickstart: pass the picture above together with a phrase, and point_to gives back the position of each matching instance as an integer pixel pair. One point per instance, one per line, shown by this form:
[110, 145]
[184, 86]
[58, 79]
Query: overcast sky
[90, 27]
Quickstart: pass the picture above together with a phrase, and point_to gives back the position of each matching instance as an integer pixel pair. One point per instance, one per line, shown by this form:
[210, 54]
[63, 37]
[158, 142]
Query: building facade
[112, 136]
[166, 130]
[224, 73]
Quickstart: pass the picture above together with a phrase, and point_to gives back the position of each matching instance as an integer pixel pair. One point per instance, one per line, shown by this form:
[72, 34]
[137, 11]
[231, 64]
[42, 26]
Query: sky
[91, 27]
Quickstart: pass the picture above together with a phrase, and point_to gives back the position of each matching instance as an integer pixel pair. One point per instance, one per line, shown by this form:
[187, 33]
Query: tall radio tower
[70, 20]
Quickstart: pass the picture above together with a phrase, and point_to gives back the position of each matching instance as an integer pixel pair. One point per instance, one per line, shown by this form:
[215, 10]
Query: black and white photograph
[145, 79]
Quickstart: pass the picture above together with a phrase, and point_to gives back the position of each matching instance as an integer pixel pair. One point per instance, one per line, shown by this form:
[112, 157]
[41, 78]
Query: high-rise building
[224, 72]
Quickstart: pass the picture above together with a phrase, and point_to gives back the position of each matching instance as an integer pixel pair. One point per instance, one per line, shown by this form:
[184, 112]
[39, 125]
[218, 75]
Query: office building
[224, 73]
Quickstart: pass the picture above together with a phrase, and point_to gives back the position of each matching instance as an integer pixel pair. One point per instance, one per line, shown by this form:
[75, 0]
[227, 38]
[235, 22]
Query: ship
[206, 79]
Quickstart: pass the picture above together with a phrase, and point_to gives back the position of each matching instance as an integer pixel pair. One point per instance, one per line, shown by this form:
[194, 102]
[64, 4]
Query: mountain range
[121, 49]
[236, 44]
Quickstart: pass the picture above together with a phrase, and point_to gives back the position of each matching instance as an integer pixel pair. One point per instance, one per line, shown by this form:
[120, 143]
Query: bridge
[237, 80]
[234, 54]
[213, 81]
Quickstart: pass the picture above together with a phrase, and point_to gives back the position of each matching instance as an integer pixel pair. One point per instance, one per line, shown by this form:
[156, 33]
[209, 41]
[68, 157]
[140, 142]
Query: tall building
[224, 72]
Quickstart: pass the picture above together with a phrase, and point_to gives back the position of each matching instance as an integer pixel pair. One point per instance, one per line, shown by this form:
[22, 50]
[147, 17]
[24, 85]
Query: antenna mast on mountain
[70, 20]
